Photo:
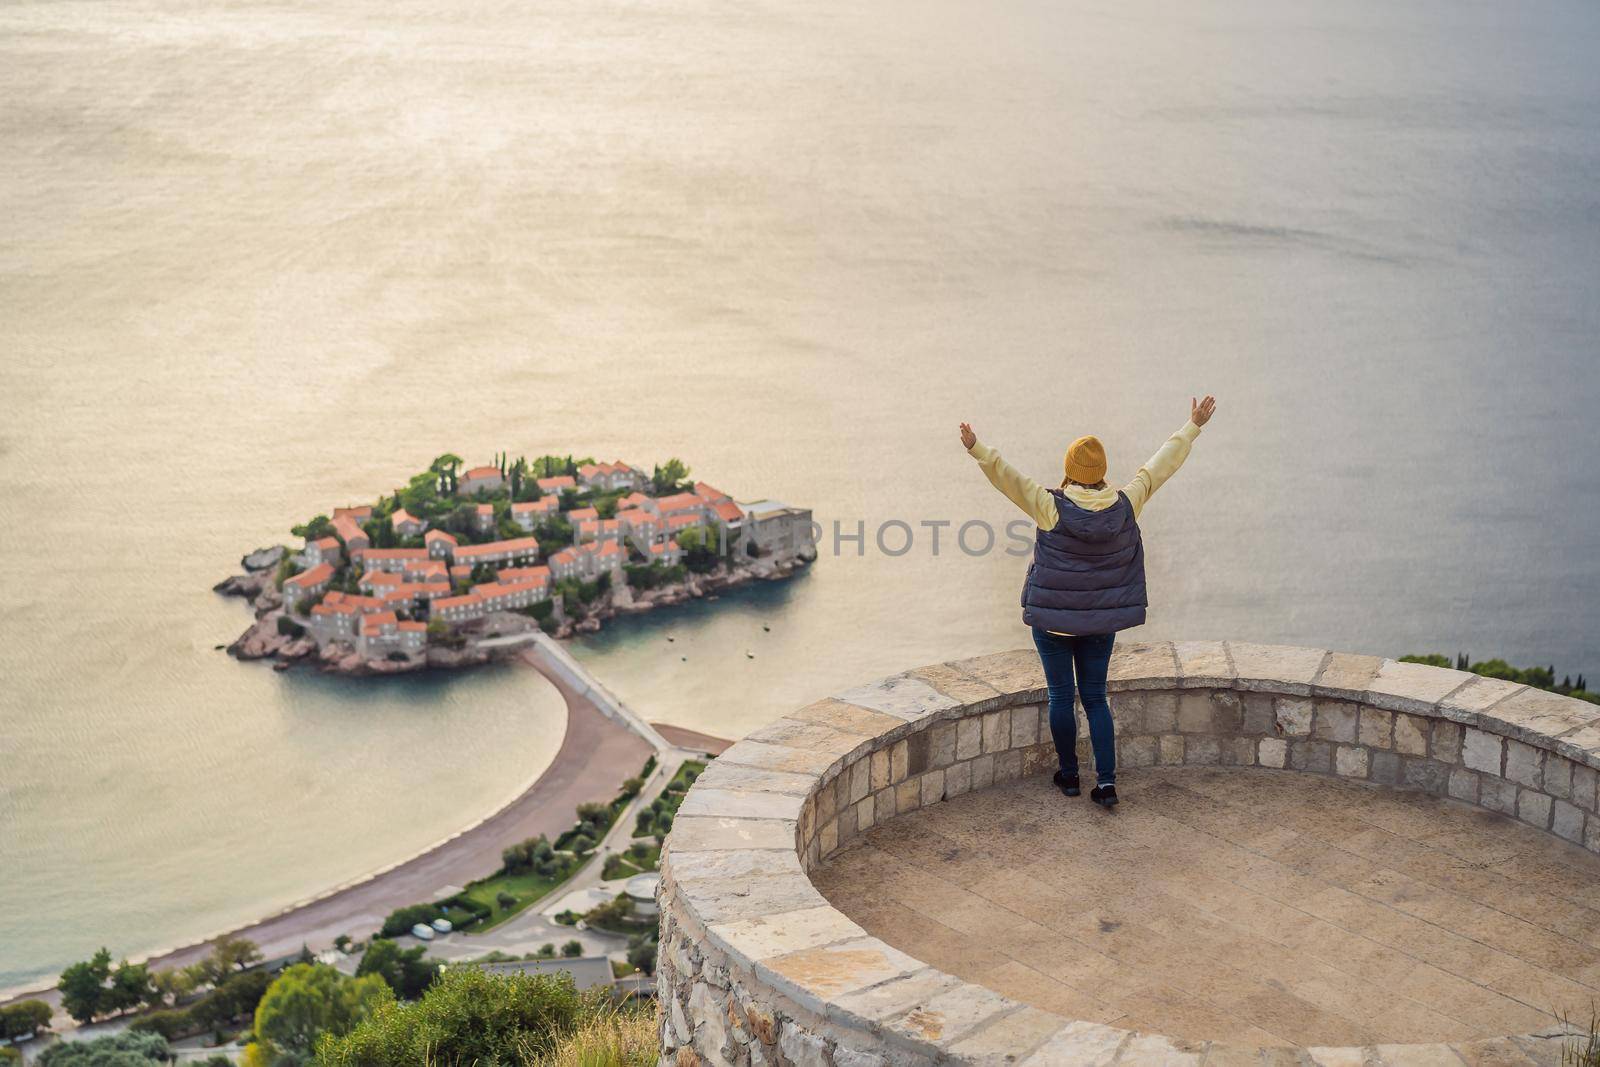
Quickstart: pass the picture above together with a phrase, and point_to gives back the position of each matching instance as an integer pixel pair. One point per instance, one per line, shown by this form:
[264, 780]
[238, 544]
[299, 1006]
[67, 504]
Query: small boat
[749, 655]
[766, 629]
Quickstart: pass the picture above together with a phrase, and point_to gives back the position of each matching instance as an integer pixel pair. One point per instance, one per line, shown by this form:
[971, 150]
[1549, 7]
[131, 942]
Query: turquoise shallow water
[265, 259]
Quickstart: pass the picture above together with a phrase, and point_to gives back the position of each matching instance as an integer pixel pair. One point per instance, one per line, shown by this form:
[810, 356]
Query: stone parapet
[756, 968]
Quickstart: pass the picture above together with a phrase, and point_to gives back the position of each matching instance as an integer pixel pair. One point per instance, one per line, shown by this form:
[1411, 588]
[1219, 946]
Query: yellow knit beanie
[1086, 460]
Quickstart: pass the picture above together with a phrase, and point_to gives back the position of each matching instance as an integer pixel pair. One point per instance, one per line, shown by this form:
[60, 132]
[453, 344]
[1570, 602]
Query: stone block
[1024, 726]
[1464, 784]
[883, 805]
[1307, 755]
[1385, 767]
[860, 780]
[1497, 794]
[828, 837]
[1482, 751]
[1586, 787]
[1154, 1050]
[1533, 808]
[958, 779]
[1272, 752]
[826, 804]
[1128, 711]
[815, 976]
[1446, 744]
[1008, 766]
[1334, 720]
[1171, 750]
[1238, 751]
[1426, 774]
[1036, 759]
[1377, 728]
[908, 796]
[878, 773]
[941, 744]
[900, 762]
[873, 1004]
[1434, 1055]
[846, 717]
[1016, 673]
[1567, 821]
[753, 753]
[1413, 687]
[1203, 664]
[710, 833]
[947, 1017]
[1293, 716]
[1275, 668]
[1160, 713]
[1346, 676]
[902, 696]
[997, 731]
[800, 1048]
[1007, 1040]
[764, 936]
[1534, 714]
[919, 753]
[1350, 761]
[1258, 716]
[741, 804]
[866, 813]
[1081, 1044]
[1410, 735]
[719, 775]
[1558, 777]
[1136, 751]
[849, 1057]
[1142, 665]
[1524, 764]
[1202, 751]
[958, 685]
[983, 772]
[969, 737]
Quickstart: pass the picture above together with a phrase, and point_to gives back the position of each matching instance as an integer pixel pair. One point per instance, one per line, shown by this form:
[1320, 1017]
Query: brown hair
[1101, 484]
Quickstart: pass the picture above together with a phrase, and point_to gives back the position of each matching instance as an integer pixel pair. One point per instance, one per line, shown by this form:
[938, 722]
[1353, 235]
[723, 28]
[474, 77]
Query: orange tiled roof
[435, 535]
[492, 548]
[709, 493]
[401, 516]
[728, 511]
[359, 514]
[482, 472]
[348, 529]
[523, 574]
[455, 602]
[320, 573]
[371, 623]
[413, 627]
[556, 481]
[680, 502]
[418, 554]
[326, 543]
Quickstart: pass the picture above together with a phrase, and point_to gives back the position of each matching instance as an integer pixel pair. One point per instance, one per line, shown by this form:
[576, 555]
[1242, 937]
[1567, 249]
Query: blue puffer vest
[1087, 574]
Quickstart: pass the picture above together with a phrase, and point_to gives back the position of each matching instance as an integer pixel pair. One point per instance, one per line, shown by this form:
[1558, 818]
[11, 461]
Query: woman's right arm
[1027, 494]
[1169, 457]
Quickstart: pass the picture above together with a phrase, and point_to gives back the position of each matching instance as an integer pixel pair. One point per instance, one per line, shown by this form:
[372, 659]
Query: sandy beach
[596, 755]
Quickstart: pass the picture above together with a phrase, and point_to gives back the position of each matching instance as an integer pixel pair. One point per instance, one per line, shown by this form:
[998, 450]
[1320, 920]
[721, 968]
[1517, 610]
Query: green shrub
[572, 950]
[401, 920]
[24, 1018]
[171, 1024]
[467, 1017]
[127, 1049]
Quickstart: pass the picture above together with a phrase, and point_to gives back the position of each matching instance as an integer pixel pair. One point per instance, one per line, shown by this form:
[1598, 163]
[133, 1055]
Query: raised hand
[1199, 411]
[968, 438]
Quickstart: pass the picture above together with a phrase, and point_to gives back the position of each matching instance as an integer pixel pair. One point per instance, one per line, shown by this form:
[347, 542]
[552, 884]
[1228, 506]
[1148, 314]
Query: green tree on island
[405, 971]
[669, 477]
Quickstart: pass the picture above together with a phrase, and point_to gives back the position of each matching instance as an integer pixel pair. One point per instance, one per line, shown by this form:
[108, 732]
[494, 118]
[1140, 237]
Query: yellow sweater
[1035, 500]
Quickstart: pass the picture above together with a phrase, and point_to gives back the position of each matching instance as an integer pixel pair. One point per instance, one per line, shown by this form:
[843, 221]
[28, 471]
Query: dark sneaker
[1104, 795]
[1068, 784]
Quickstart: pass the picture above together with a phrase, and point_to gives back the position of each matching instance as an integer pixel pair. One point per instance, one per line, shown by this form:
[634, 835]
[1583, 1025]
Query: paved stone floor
[1253, 906]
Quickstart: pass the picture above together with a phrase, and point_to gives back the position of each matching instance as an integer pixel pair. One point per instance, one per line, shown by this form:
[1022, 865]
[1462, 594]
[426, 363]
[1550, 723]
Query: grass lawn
[526, 886]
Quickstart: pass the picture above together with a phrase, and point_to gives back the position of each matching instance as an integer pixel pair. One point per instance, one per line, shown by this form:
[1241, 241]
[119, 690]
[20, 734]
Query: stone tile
[1335, 720]
[903, 993]
[955, 683]
[1171, 749]
[1410, 735]
[1160, 713]
[942, 743]
[1016, 673]
[1238, 751]
[720, 775]
[780, 934]
[1416, 1056]
[1202, 751]
[1142, 665]
[902, 696]
[1558, 777]
[1581, 745]
[1136, 751]
[996, 731]
[1258, 715]
[726, 865]
[1293, 715]
[1024, 726]
[949, 1016]
[815, 976]
[1273, 752]
[1497, 794]
[969, 737]
[752, 753]
[720, 900]
[1203, 664]
[1315, 756]
[1377, 728]
[1463, 784]
[1474, 697]
[859, 781]
[1567, 821]
[1386, 767]
[740, 804]
[1275, 668]
[1079, 1044]
[932, 787]
[708, 833]
[1428, 775]
[982, 772]
[1413, 687]
[814, 736]
[1007, 1039]
[1346, 676]
[1482, 751]
[1154, 1050]
[1341, 1056]
[1534, 715]
[847, 717]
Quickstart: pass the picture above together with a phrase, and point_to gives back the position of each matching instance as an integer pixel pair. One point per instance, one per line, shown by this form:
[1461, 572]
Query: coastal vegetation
[656, 820]
[93, 988]
[471, 1017]
[127, 1049]
[306, 1004]
[1537, 677]
[22, 1019]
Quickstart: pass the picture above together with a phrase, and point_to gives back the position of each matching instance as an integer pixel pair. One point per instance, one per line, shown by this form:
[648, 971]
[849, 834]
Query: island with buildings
[436, 574]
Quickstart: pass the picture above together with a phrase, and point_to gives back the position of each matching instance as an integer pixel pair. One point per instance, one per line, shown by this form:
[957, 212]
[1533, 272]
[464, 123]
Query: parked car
[422, 932]
[442, 926]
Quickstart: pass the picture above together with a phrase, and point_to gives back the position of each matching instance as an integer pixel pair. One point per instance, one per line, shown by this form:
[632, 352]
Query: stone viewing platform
[1320, 858]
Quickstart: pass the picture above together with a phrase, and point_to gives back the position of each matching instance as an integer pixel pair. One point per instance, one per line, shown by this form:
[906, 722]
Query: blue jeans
[1091, 656]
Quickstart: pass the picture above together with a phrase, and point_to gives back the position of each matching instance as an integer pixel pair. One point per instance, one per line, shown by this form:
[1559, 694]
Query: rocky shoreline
[265, 640]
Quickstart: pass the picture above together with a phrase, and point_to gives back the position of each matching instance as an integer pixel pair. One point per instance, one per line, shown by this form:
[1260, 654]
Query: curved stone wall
[756, 968]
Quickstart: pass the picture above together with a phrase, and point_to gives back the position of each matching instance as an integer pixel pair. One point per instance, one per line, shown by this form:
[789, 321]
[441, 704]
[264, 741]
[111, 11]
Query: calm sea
[260, 259]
